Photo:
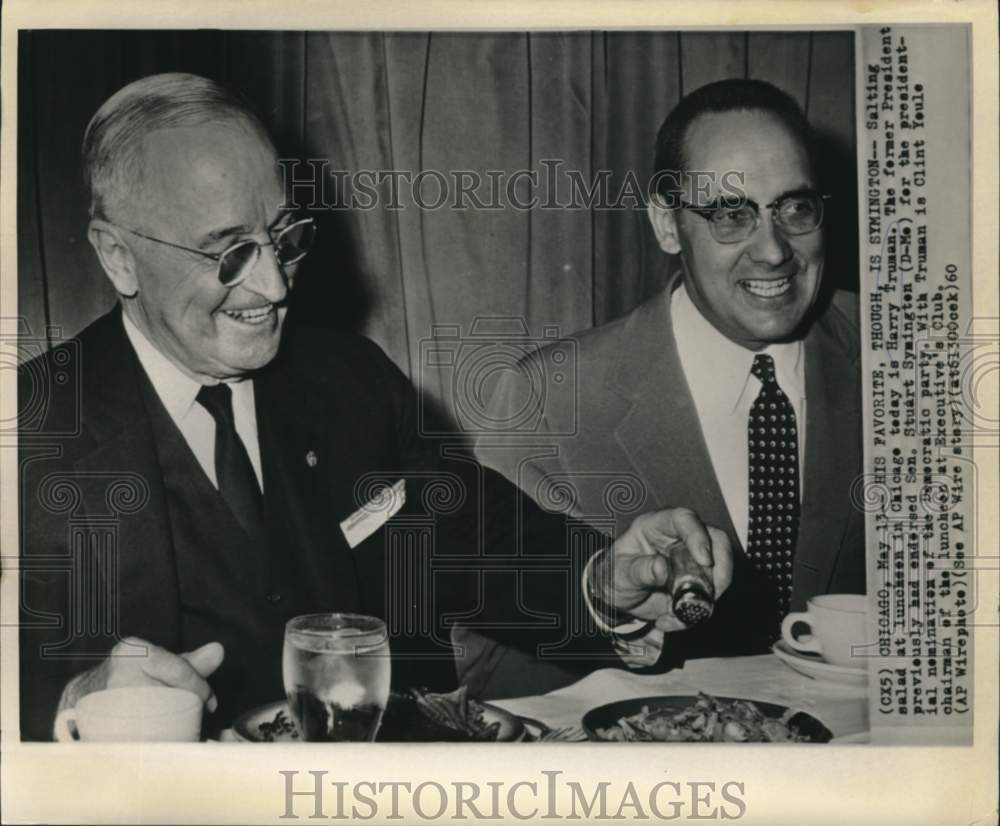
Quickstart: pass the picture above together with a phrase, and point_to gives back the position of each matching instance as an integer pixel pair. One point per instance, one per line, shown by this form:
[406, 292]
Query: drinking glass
[336, 670]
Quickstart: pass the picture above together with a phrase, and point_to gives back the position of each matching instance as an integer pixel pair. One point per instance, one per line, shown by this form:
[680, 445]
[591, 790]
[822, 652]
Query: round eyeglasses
[797, 213]
[235, 263]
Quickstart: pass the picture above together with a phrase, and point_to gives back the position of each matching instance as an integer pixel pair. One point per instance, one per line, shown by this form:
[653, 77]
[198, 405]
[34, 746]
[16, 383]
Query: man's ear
[664, 223]
[115, 256]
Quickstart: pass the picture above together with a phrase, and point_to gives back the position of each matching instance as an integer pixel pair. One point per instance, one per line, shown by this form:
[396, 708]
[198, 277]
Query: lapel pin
[312, 459]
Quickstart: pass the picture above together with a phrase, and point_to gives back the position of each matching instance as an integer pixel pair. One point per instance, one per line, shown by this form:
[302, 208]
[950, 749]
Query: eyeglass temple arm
[214, 256]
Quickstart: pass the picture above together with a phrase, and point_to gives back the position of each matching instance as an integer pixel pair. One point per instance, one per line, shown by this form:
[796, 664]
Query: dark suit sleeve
[57, 637]
[51, 650]
[504, 566]
[93, 561]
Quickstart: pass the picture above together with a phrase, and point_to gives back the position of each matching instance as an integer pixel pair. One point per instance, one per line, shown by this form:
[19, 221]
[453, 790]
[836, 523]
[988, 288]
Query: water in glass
[336, 671]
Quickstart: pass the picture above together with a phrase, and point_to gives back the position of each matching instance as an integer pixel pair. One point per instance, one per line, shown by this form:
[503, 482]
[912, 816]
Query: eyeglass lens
[294, 241]
[796, 215]
[290, 245]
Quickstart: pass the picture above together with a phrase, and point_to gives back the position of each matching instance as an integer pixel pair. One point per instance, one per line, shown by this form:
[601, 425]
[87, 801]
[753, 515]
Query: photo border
[225, 783]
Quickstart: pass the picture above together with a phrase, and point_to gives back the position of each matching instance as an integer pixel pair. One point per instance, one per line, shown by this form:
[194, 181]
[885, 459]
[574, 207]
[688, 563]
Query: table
[843, 709]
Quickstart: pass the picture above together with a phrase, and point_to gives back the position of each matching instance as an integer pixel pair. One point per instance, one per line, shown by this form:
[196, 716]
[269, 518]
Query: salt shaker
[690, 586]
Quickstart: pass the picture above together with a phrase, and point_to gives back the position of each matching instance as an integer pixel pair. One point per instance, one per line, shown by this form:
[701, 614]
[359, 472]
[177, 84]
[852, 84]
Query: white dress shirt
[177, 391]
[723, 389]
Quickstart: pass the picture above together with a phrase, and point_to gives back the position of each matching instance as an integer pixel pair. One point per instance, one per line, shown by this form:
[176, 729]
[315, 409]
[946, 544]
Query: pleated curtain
[583, 102]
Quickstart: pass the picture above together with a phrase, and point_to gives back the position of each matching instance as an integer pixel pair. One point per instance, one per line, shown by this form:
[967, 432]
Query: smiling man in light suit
[735, 392]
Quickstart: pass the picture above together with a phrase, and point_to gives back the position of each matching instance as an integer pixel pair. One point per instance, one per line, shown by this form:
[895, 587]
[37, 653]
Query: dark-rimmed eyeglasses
[797, 213]
[235, 263]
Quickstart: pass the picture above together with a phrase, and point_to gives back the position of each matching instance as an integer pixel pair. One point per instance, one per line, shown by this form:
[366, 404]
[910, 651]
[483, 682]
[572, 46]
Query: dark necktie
[774, 489]
[233, 471]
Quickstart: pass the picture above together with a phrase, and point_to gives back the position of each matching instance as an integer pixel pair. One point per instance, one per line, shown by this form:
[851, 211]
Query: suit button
[274, 597]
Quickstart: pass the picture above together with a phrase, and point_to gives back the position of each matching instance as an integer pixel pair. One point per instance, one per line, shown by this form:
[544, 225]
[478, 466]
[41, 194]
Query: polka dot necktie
[774, 489]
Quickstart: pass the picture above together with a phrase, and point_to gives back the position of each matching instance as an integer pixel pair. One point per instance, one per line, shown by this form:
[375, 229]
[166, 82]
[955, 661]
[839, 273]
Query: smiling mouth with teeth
[257, 315]
[767, 289]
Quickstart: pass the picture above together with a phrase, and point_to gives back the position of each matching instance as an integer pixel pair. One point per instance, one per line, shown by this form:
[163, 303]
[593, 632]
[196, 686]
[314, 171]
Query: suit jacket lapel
[833, 421]
[117, 423]
[659, 409]
[657, 406]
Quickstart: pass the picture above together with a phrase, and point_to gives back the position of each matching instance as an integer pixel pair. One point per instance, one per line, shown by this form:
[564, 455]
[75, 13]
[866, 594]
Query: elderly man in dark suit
[735, 392]
[205, 477]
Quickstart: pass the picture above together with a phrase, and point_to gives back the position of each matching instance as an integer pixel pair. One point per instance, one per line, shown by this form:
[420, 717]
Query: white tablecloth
[843, 709]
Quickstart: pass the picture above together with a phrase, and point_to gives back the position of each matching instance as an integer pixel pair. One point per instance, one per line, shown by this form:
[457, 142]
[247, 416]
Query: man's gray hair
[112, 144]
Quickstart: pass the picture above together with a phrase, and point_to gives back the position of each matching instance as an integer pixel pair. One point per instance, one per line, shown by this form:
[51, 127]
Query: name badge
[370, 517]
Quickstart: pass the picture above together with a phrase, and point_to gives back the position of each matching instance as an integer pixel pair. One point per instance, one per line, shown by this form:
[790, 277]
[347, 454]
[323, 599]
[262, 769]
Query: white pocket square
[374, 514]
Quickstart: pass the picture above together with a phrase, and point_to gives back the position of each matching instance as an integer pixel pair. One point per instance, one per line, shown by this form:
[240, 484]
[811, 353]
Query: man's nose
[267, 278]
[768, 245]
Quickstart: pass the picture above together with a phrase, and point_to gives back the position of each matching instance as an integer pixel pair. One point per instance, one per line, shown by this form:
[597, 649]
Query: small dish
[815, 667]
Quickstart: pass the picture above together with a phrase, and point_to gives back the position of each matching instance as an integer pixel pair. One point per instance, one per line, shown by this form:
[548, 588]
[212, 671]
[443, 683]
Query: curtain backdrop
[418, 102]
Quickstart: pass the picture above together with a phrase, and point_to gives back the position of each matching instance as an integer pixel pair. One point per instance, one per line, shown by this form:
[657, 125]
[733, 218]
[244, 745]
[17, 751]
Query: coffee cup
[835, 624]
[131, 714]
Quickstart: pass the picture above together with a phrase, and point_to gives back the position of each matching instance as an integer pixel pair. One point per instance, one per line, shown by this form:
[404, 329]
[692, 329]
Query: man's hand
[636, 572]
[134, 661]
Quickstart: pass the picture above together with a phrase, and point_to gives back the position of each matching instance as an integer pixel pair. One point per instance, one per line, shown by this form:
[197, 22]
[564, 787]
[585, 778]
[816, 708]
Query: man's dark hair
[733, 95]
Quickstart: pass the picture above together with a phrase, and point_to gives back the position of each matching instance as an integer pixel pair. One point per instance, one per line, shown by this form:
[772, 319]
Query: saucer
[813, 666]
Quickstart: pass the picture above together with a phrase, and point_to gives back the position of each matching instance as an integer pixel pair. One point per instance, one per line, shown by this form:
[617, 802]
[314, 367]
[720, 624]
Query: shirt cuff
[628, 629]
[642, 652]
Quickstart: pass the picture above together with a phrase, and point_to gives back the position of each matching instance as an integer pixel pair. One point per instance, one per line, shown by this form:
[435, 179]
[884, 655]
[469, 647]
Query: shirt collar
[709, 353]
[176, 390]
[789, 366]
